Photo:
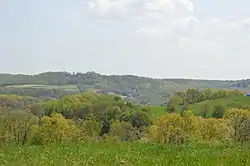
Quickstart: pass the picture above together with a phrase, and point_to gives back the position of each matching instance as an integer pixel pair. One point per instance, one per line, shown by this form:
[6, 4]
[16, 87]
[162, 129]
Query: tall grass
[125, 154]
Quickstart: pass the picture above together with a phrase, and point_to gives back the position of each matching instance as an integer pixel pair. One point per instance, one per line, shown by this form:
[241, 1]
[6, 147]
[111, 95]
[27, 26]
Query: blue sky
[155, 38]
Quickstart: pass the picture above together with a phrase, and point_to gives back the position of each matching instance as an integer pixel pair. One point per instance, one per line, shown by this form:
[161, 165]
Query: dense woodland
[207, 116]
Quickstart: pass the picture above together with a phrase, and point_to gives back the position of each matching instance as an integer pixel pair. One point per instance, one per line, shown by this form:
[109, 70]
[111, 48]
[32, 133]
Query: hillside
[231, 102]
[139, 89]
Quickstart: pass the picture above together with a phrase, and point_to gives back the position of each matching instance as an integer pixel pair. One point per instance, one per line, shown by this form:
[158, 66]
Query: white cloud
[186, 23]
[171, 20]
[188, 4]
[159, 5]
[106, 7]
[152, 31]
[155, 18]
[246, 24]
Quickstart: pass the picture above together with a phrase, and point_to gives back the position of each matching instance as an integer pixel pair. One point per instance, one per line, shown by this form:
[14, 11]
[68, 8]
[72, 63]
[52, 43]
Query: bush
[218, 111]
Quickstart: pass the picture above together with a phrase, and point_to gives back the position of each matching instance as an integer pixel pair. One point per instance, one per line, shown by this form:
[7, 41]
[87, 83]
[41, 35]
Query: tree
[124, 131]
[239, 120]
[138, 119]
[218, 111]
[56, 129]
[36, 109]
[173, 104]
[90, 129]
[175, 129]
[207, 108]
[215, 129]
[17, 127]
[193, 96]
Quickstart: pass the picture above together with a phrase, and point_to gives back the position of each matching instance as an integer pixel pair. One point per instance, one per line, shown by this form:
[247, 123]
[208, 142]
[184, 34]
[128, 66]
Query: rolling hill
[142, 90]
[231, 102]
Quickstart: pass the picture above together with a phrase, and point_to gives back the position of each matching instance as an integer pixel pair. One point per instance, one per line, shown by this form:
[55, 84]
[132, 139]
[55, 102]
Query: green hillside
[231, 102]
[197, 108]
[142, 90]
[157, 111]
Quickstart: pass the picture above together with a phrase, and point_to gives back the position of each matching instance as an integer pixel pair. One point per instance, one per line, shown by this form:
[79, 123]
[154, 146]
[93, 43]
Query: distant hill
[142, 90]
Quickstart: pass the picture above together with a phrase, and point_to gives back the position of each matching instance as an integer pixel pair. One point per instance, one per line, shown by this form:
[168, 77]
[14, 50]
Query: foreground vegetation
[91, 116]
[194, 127]
[126, 154]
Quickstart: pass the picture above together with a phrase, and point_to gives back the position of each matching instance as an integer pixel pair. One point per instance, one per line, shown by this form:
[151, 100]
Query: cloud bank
[180, 23]
[166, 18]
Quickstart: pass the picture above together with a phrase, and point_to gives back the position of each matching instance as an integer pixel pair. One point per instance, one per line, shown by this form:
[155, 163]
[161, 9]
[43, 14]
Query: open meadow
[139, 154]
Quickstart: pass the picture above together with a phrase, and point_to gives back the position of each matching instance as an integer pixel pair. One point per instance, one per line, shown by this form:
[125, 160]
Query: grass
[197, 108]
[157, 111]
[232, 102]
[125, 154]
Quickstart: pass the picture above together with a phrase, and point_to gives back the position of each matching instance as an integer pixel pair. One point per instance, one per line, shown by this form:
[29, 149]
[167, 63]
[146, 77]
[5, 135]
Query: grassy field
[197, 108]
[157, 111]
[233, 102]
[125, 154]
[60, 87]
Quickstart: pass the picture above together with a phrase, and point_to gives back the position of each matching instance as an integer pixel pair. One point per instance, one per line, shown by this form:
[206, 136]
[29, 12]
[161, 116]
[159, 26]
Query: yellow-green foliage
[174, 128]
[90, 129]
[122, 131]
[240, 122]
[15, 101]
[215, 129]
[17, 127]
[178, 129]
[56, 129]
[90, 117]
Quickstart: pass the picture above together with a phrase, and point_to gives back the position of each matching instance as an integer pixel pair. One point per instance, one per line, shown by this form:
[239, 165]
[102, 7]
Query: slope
[231, 102]
[141, 90]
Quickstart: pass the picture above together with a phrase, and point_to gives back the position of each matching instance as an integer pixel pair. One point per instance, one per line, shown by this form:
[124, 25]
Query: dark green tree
[218, 111]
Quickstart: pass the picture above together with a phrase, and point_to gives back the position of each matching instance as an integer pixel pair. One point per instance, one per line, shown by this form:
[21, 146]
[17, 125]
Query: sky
[206, 39]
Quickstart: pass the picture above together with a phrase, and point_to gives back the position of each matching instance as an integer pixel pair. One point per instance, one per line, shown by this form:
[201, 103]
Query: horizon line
[134, 75]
